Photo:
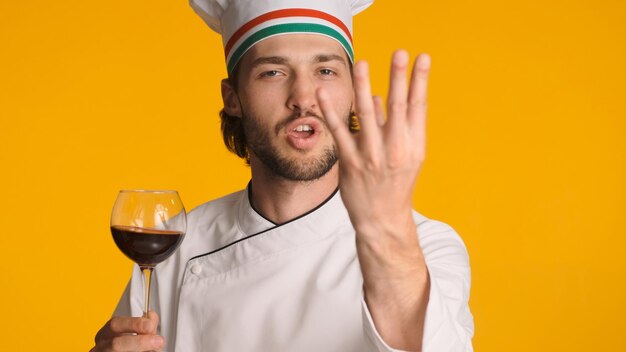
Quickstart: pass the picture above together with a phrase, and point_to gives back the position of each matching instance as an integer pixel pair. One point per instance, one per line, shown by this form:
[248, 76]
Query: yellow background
[526, 157]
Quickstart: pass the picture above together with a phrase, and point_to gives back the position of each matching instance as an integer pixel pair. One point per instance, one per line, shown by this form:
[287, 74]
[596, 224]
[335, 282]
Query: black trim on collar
[271, 228]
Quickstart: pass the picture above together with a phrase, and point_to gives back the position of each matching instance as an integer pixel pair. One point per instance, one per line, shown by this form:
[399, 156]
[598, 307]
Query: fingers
[378, 110]
[397, 98]
[130, 334]
[121, 325]
[417, 99]
[364, 104]
[128, 343]
[337, 125]
[406, 110]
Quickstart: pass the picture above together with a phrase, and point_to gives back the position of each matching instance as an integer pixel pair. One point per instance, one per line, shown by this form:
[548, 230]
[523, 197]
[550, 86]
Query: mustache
[296, 116]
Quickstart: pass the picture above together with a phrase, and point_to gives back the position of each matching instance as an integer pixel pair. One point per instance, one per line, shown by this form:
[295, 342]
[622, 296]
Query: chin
[300, 167]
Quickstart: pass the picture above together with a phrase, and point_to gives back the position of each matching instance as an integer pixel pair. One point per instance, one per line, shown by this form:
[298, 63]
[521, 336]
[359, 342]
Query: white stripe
[285, 20]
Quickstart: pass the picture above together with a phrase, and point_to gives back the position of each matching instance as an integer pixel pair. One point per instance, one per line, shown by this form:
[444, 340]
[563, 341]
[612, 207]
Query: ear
[231, 101]
[353, 105]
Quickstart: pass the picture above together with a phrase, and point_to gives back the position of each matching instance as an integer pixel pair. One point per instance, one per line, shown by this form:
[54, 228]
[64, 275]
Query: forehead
[294, 48]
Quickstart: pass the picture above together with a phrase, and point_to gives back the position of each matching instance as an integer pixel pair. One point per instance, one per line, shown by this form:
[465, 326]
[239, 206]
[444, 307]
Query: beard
[259, 141]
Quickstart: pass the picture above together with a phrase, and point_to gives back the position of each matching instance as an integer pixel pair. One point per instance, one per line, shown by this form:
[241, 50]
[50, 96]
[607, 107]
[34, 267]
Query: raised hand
[379, 165]
[378, 168]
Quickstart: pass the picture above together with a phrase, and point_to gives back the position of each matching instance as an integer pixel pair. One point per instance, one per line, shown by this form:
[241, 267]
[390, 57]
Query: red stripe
[285, 13]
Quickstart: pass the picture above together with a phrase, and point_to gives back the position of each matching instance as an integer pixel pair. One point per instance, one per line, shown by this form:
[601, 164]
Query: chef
[321, 251]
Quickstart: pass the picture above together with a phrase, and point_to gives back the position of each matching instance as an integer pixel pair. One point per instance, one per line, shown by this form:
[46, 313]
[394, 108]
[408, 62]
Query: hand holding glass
[148, 226]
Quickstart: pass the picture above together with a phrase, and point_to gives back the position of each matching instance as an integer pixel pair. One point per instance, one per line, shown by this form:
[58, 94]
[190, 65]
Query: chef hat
[243, 23]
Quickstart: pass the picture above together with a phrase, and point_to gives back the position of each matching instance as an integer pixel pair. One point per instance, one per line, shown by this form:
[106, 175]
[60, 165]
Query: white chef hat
[243, 23]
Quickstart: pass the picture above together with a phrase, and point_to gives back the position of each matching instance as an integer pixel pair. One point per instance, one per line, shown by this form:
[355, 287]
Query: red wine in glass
[148, 227]
[146, 246]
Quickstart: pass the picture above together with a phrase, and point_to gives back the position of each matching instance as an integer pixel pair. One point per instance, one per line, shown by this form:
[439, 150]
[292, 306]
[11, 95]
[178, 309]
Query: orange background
[526, 157]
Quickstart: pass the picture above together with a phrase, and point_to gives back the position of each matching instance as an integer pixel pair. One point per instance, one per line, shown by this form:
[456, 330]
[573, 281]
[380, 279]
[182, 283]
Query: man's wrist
[391, 255]
[398, 226]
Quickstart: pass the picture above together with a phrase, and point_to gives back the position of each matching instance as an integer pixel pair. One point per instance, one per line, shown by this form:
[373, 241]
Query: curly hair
[234, 136]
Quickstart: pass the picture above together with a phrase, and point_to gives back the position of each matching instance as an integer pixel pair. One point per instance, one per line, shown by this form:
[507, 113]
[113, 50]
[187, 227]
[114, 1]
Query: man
[322, 251]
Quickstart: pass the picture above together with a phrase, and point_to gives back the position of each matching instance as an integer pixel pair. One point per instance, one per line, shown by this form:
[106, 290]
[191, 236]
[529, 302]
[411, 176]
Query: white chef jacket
[239, 282]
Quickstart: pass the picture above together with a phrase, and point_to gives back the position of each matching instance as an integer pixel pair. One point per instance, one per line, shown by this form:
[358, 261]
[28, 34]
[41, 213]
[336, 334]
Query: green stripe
[287, 28]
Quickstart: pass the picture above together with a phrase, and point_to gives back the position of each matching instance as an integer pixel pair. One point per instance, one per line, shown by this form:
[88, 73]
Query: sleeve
[449, 324]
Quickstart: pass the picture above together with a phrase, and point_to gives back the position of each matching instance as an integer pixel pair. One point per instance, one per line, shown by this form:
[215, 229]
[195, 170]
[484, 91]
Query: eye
[327, 72]
[270, 73]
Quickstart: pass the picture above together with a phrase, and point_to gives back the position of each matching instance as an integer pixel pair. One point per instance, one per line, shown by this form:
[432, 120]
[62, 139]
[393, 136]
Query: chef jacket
[239, 282]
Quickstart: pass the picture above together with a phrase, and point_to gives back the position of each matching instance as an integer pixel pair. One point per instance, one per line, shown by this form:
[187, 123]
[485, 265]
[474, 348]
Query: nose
[302, 94]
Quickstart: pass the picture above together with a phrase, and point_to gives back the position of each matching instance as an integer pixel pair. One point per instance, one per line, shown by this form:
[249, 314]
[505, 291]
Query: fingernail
[424, 61]
[401, 57]
[361, 63]
[157, 341]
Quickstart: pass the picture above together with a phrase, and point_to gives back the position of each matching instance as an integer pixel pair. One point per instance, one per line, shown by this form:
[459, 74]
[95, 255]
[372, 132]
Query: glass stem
[147, 276]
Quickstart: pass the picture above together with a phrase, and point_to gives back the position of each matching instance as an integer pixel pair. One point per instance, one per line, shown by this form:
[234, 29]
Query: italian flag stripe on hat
[243, 23]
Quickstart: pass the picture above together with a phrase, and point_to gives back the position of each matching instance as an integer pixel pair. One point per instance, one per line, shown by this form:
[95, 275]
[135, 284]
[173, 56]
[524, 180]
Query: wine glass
[148, 226]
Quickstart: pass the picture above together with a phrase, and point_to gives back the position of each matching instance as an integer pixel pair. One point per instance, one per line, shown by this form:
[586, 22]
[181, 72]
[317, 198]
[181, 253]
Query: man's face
[277, 83]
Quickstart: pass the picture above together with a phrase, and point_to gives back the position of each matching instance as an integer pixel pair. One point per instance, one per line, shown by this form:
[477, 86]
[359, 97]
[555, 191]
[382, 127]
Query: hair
[232, 126]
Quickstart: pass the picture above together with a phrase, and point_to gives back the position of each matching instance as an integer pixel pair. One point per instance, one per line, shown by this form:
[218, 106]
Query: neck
[281, 200]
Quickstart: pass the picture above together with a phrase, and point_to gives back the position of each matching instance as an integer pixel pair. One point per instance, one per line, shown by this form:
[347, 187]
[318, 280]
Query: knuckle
[422, 71]
[397, 106]
[137, 325]
[394, 163]
[115, 324]
[361, 78]
[372, 165]
[399, 68]
[363, 111]
[396, 159]
[419, 103]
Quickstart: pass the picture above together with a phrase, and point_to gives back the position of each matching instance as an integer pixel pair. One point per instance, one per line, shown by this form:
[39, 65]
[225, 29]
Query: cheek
[344, 103]
[263, 101]
[342, 93]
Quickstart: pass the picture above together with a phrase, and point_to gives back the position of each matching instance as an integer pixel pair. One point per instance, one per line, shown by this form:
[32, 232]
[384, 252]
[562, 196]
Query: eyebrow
[276, 60]
[279, 60]
[329, 57]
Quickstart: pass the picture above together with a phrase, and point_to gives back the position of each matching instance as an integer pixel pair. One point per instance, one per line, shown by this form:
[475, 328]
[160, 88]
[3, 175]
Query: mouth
[303, 132]
[304, 127]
